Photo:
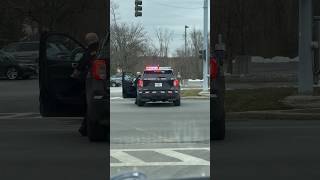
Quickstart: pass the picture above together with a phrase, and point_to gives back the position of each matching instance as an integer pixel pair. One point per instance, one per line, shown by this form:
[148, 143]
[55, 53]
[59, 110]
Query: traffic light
[202, 54]
[138, 8]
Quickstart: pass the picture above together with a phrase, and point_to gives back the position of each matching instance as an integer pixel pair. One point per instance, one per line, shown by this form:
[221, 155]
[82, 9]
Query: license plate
[157, 84]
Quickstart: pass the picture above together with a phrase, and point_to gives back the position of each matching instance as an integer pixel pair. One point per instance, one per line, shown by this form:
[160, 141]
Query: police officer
[80, 72]
[136, 83]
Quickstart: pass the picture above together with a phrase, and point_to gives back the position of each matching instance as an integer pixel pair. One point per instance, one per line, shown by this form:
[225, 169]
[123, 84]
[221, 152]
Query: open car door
[129, 89]
[60, 95]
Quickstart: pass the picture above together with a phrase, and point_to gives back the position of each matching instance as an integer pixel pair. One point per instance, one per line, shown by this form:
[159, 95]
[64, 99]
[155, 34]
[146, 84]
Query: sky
[170, 14]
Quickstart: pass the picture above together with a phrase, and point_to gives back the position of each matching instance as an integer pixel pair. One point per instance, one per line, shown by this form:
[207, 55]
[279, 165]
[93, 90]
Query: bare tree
[164, 37]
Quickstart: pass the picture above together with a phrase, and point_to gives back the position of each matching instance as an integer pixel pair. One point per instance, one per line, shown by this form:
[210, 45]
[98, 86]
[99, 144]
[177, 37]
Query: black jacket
[88, 56]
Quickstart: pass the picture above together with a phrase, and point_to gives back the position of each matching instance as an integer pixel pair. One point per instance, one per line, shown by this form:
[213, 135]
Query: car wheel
[113, 84]
[139, 102]
[12, 73]
[218, 119]
[124, 94]
[96, 132]
[177, 102]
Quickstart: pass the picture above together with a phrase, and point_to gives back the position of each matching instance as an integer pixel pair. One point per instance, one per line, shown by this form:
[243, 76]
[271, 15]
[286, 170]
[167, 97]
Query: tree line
[264, 28]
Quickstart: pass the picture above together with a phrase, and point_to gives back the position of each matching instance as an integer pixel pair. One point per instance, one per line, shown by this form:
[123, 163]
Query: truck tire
[177, 102]
[124, 94]
[139, 102]
[217, 117]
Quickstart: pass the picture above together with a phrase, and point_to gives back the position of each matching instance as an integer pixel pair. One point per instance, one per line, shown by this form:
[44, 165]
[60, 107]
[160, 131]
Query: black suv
[217, 93]
[63, 96]
[155, 84]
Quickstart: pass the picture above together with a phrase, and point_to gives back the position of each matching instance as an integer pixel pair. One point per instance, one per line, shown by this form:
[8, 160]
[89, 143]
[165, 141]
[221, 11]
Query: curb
[272, 115]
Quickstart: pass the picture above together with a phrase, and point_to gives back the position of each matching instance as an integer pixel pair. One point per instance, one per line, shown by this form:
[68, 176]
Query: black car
[116, 80]
[63, 96]
[12, 69]
[155, 84]
[217, 93]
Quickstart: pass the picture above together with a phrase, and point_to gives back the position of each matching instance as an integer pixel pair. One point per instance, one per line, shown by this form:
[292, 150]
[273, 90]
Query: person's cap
[91, 38]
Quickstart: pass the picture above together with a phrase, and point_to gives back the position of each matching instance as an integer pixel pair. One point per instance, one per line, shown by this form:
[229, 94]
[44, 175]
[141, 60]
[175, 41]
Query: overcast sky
[171, 14]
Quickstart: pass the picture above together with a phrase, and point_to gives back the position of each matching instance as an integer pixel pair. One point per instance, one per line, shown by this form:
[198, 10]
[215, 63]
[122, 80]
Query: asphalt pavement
[34, 148]
[159, 139]
[265, 150]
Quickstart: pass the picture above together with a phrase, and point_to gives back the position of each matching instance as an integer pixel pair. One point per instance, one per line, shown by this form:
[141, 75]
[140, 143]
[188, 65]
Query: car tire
[218, 120]
[45, 106]
[95, 131]
[12, 73]
[124, 94]
[113, 84]
[177, 102]
[139, 102]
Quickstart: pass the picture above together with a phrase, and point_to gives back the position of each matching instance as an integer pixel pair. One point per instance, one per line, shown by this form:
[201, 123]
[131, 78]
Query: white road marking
[15, 115]
[113, 98]
[182, 157]
[127, 160]
[125, 157]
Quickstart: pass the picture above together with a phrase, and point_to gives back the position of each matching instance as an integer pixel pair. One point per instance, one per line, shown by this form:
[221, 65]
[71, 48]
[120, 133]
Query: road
[43, 148]
[158, 139]
[265, 150]
[51, 148]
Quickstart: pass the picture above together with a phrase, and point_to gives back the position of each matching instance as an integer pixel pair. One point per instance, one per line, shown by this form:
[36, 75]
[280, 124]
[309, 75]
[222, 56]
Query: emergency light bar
[157, 68]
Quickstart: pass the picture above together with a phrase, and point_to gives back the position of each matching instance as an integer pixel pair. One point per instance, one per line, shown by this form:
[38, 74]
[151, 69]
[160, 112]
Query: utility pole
[305, 73]
[205, 47]
[185, 40]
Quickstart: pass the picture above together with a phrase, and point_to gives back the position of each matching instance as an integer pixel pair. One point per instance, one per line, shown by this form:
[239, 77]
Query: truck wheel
[139, 102]
[218, 120]
[96, 132]
[177, 102]
[124, 94]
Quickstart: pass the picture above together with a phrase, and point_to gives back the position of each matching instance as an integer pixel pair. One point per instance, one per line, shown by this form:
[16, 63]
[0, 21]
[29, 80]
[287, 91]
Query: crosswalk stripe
[182, 157]
[116, 98]
[127, 160]
[125, 157]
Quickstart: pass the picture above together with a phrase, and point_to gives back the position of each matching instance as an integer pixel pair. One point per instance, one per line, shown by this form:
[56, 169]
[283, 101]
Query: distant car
[27, 52]
[12, 69]
[155, 84]
[116, 80]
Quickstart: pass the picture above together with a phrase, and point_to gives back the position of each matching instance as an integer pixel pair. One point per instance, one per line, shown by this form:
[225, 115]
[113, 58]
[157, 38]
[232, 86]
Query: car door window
[62, 48]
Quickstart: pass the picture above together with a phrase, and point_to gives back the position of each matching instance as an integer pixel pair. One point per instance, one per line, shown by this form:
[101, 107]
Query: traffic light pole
[205, 47]
[305, 72]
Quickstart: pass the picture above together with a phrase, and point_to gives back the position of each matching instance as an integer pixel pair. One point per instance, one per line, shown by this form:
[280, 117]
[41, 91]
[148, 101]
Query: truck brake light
[140, 83]
[213, 68]
[99, 69]
[176, 83]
